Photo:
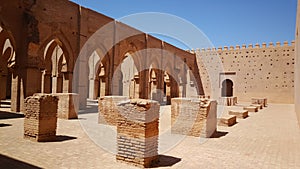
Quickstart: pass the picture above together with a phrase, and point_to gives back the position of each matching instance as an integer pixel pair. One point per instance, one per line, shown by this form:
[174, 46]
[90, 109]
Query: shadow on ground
[166, 161]
[5, 125]
[10, 115]
[8, 162]
[61, 138]
[219, 134]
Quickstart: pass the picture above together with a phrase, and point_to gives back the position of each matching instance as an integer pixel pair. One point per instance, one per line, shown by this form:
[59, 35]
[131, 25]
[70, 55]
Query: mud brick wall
[68, 105]
[40, 118]
[108, 110]
[137, 132]
[193, 117]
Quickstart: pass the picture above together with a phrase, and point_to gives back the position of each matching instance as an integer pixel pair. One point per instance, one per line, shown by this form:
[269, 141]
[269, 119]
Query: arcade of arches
[39, 54]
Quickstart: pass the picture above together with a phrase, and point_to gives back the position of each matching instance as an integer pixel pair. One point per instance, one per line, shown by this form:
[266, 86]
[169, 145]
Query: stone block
[137, 132]
[228, 120]
[251, 108]
[239, 113]
[259, 106]
[40, 118]
[193, 117]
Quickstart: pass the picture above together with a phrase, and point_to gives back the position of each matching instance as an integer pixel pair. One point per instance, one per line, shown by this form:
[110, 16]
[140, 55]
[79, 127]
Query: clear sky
[225, 22]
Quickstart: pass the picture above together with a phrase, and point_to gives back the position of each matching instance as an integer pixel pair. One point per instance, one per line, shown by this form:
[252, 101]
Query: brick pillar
[68, 105]
[193, 117]
[137, 132]
[108, 110]
[40, 118]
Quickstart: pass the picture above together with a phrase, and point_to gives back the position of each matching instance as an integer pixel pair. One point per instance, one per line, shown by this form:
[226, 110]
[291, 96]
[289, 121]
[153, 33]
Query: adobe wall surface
[137, 133]
[297, 66]
[256, 71]
[193, 117]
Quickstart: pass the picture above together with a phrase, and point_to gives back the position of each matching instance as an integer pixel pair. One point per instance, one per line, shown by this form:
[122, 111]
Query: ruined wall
[256, 71]
[193, 117]
[40, 118]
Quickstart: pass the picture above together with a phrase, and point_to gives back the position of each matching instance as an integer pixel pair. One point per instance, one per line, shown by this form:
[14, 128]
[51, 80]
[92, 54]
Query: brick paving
[267, 139]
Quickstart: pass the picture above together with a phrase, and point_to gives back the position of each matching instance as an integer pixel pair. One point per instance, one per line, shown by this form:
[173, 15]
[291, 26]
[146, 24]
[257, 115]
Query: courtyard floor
[269, 138]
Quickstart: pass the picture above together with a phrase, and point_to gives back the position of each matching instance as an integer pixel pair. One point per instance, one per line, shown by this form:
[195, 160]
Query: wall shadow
[8, 162]
[10, 115]
[165, 161]
[219, 134]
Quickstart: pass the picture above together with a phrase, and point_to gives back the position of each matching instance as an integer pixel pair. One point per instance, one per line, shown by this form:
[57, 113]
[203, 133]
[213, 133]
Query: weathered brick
[137, 132]
[193, 117]
[40, 117]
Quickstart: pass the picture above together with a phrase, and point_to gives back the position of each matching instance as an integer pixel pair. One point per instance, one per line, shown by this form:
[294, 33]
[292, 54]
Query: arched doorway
[227, 88]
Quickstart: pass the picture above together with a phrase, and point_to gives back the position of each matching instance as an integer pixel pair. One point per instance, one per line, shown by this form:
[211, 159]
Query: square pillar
[40, 118]
[137, 132]
[193, 117]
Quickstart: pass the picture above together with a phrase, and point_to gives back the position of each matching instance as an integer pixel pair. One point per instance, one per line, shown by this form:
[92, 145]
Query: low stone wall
[40, 118]
[193, 117]
[108, 110]
[137, 132]
[68, 105]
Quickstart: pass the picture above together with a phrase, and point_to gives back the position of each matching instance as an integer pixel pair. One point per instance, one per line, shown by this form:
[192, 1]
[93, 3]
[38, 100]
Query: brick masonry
[193, 117]
[137, 132]
[108, 110]
[40, 118]
[68, 105]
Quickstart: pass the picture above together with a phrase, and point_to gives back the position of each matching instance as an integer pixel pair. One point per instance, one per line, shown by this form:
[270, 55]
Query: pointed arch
[57, 57]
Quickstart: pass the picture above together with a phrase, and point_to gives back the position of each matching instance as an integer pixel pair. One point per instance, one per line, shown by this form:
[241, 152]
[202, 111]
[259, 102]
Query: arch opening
[7, 62]
[56, 78]
[227, 88]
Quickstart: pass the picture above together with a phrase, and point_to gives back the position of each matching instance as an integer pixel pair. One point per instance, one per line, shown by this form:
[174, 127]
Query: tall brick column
[137, 132]
[40, 118]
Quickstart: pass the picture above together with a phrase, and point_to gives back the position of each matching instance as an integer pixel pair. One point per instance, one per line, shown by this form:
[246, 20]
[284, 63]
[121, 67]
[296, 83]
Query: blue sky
[225, 22]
